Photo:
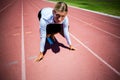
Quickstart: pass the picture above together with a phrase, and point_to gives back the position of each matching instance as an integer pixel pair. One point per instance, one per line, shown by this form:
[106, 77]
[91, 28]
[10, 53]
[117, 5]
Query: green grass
[111, 7]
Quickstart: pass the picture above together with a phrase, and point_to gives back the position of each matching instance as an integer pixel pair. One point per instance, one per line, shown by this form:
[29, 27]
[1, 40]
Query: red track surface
[95, 37]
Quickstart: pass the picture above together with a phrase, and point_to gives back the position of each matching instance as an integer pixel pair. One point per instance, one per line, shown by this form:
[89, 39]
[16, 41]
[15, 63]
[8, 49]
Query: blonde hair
[61, 6]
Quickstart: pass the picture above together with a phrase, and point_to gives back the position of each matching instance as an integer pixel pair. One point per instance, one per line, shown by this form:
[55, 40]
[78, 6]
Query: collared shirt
[47, 18]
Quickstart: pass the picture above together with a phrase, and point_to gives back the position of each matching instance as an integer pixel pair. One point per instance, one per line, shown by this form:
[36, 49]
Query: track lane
[104, 45]
[5, 4]
[10, 53]
[95, 22]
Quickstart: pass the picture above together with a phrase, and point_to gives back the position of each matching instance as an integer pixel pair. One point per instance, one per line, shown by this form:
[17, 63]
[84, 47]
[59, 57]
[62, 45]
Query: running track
[95, 37]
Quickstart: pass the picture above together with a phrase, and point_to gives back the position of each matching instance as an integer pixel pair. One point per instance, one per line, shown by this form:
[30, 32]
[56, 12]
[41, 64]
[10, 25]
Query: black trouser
[52, 28]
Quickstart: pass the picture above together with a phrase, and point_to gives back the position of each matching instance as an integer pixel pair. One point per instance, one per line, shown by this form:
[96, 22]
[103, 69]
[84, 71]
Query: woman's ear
[53, 12]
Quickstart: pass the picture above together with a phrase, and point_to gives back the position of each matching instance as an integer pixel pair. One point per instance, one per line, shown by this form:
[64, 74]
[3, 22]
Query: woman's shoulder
[47, 9]
[47, 12]
[65, 20]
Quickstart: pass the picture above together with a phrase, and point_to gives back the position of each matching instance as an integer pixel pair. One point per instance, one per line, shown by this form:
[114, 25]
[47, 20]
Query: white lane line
[97, 28]
[32, 57]
[12, 63]
[100, 13]
[93, 53]
[6, 6]
[23, 72]
[104, 14]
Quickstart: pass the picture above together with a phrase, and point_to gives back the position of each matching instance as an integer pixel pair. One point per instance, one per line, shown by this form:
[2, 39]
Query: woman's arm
[43, 26]
[66, 33]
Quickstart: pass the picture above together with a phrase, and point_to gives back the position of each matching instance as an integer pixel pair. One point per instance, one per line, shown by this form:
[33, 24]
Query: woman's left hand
[71, 48]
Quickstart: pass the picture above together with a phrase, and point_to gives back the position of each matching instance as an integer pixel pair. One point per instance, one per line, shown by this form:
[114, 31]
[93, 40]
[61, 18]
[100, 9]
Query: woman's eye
[57, 15]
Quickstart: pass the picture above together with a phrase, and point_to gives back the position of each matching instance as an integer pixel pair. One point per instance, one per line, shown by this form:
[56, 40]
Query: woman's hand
[39, 57]
[71, 48]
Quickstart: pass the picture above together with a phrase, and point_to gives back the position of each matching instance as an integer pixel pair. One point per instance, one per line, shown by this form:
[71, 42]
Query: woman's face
[59, 16]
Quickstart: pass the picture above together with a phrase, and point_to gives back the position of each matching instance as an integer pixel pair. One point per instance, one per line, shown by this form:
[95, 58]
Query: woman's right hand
[40, 57]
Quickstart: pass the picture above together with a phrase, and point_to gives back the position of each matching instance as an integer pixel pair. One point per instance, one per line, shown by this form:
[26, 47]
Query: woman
[51, 22]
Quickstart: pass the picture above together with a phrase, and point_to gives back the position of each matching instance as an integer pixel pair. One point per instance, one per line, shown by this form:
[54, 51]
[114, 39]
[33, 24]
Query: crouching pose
[52, 21]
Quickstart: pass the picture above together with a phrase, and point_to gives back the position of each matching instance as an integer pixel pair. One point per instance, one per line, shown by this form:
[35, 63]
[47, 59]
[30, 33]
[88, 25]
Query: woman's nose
[60, 18]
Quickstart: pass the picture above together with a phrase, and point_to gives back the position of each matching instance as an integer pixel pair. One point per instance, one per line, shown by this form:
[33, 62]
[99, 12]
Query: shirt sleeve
[66, 30]
[43, 26]
[46, 14]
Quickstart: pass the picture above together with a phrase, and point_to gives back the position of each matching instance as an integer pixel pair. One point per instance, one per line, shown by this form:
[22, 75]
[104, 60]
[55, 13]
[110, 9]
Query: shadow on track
[54, 47]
